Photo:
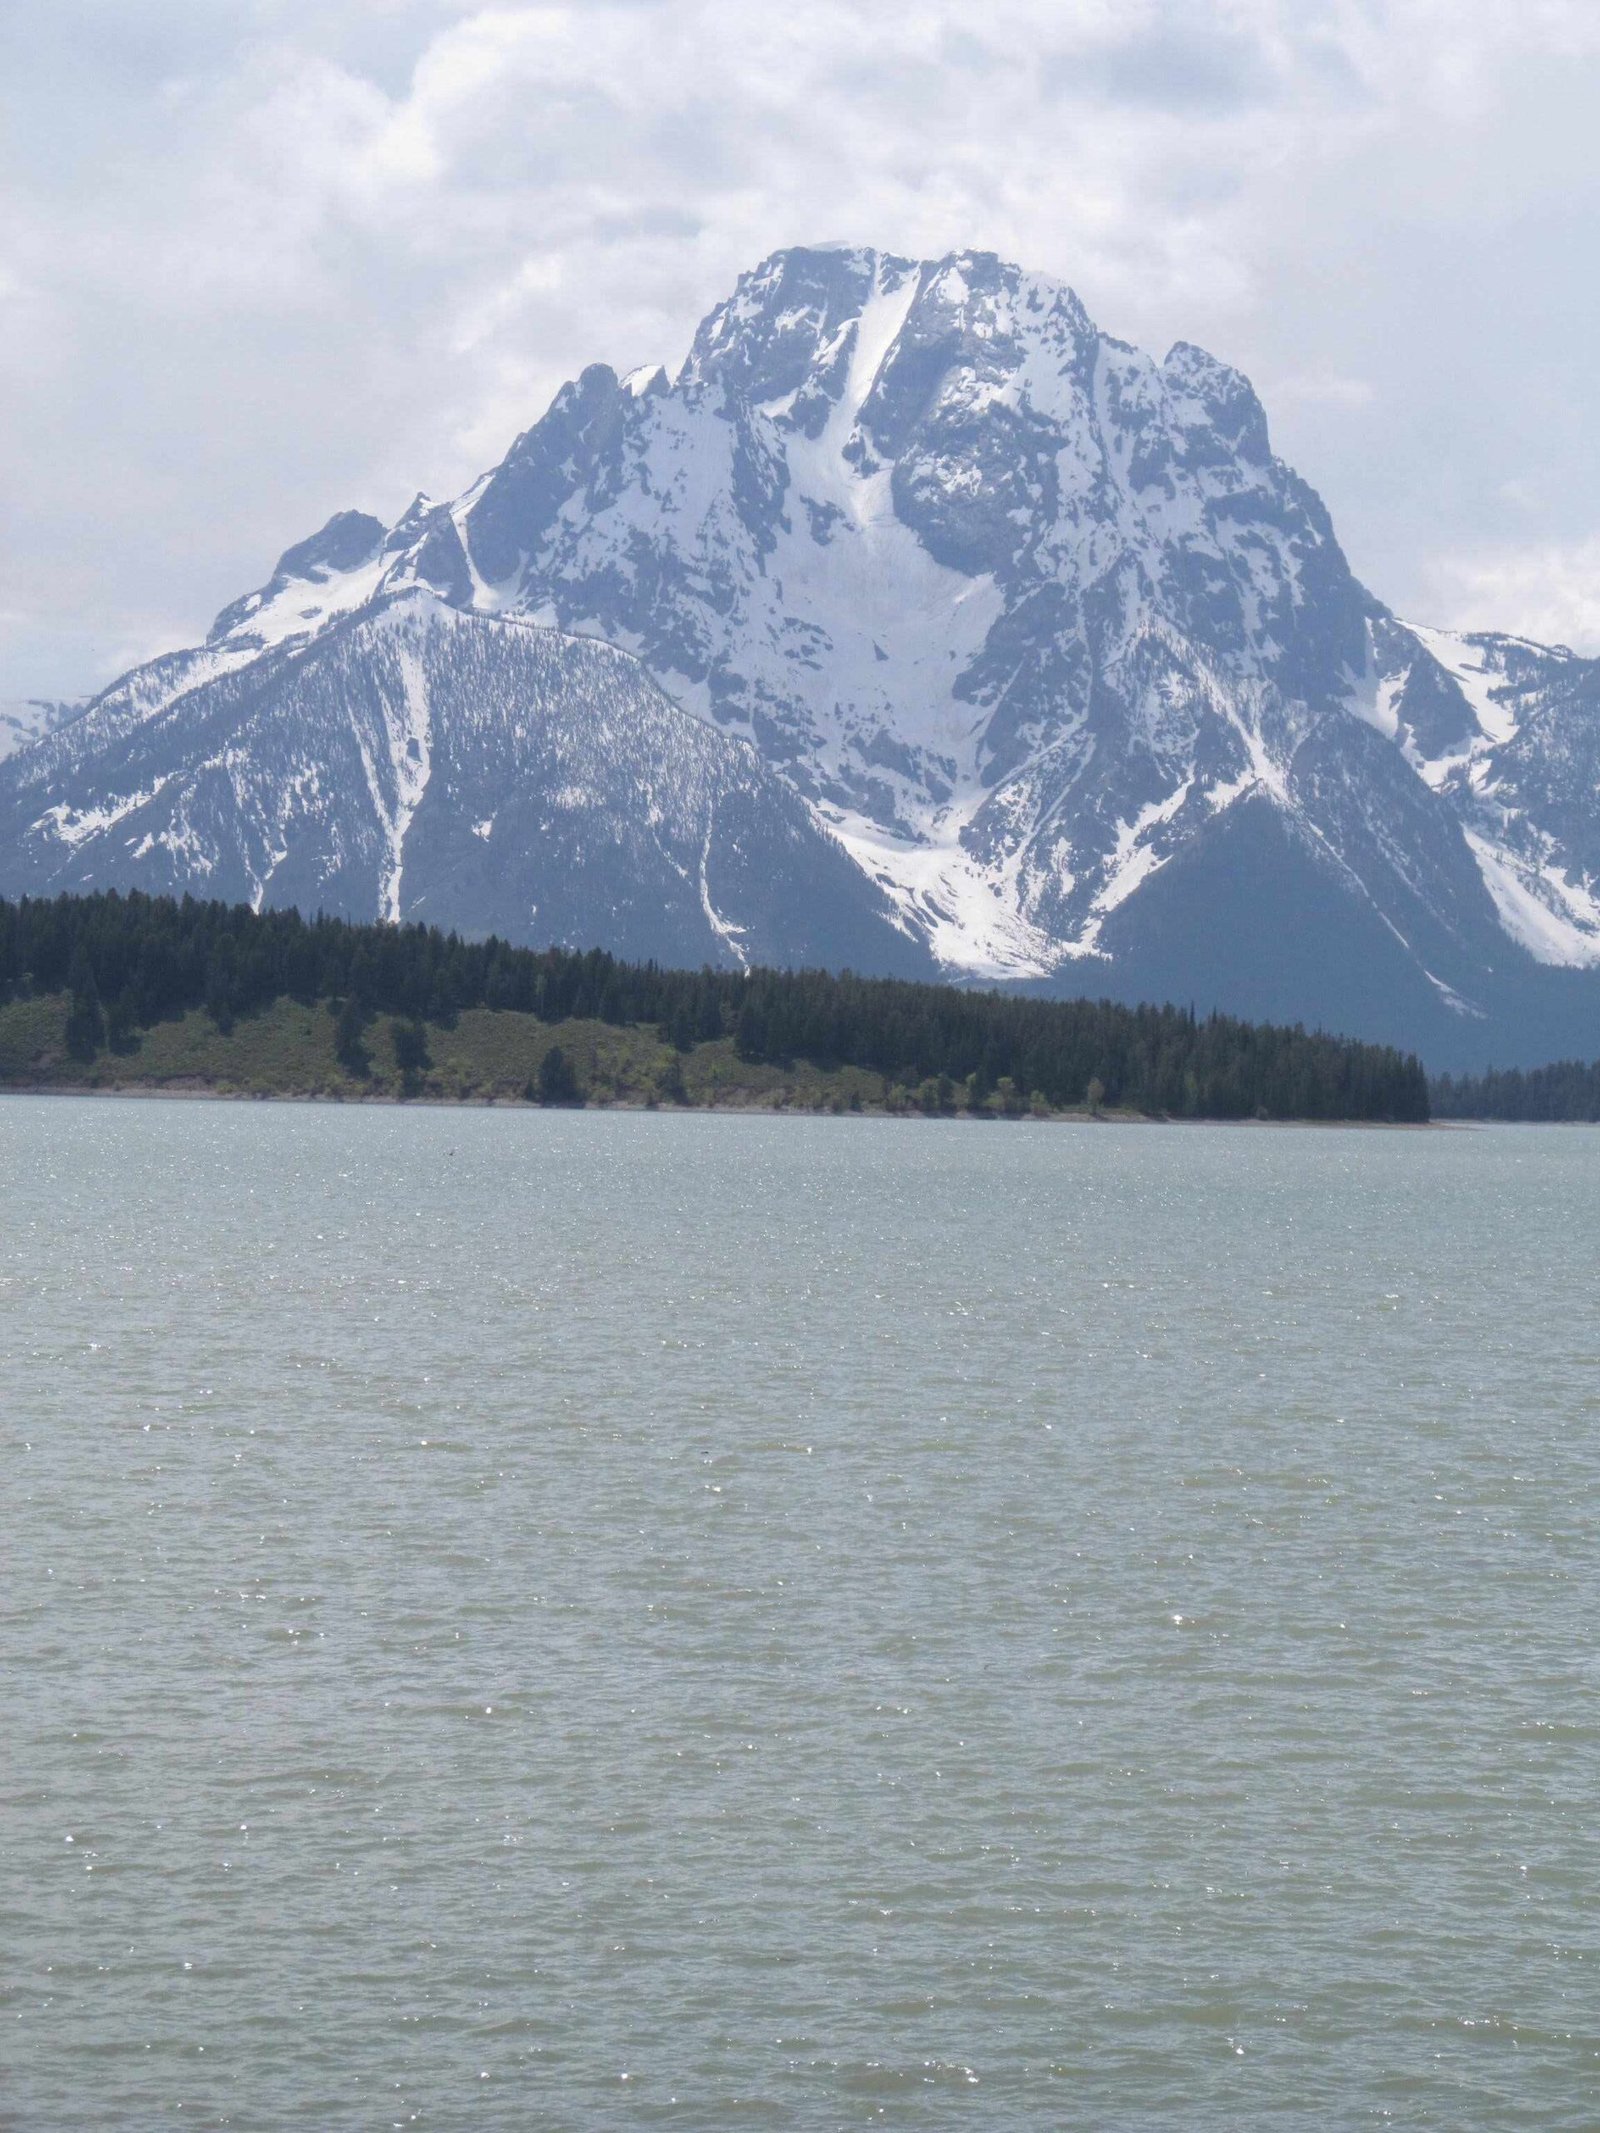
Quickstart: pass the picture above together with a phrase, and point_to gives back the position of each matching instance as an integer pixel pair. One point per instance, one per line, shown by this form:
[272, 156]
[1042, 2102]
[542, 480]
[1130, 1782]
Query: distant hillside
[113, 990]
[22, 722]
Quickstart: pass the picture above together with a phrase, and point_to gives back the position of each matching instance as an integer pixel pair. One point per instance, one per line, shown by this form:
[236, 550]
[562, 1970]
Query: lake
[528, 1619]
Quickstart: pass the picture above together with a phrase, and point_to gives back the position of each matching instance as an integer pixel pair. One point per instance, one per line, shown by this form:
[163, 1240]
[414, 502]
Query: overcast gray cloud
[261, 259]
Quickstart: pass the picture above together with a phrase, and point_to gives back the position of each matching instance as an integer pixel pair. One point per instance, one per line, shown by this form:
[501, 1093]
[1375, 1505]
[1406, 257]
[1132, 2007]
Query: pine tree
[410, 1041]
[348, 1047]
[669, 1082]
[122, 1021]
[86, 1022]
[219, 995]
[679, 1032]
[557, 1082]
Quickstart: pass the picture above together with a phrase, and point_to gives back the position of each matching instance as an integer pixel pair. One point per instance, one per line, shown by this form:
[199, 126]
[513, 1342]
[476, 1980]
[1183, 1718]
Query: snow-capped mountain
[1024, 656]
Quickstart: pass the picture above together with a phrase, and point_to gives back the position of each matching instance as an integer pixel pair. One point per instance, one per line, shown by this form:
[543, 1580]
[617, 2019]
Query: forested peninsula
[135, 992]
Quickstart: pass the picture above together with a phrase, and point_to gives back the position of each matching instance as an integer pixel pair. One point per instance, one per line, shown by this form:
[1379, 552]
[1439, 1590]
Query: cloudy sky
[262, 259]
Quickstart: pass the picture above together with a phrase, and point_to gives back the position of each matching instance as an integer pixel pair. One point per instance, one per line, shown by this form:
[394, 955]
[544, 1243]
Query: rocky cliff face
[1025, 658]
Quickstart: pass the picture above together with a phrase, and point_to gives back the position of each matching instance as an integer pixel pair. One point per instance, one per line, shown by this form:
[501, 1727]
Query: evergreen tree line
[1567, 1093]
[128, 961]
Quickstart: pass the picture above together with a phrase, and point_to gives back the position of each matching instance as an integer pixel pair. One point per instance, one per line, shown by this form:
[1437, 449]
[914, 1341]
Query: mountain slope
[1507, 733]
[418, 762]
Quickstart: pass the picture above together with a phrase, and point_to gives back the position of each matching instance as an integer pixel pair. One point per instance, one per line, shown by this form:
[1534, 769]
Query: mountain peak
[332, 569]
[788, 318]
[348, 539]
[784, 318]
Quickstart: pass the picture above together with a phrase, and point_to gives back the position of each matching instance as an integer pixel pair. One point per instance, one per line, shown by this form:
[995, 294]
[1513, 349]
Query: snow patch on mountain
[1134, 857]
[74, 826]
[1555, 919]
[1466, 660]
[411, 762]
[969, 914]
[299, 609]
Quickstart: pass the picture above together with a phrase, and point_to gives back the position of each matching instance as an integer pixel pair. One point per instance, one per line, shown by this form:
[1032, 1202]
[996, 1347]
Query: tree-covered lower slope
[129, 964]
[1566, 1093]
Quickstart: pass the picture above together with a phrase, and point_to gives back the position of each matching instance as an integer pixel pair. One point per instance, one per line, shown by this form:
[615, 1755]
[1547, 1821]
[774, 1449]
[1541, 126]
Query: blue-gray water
[533, 1620]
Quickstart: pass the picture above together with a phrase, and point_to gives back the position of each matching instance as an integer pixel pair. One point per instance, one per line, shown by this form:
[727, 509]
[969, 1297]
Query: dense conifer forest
[1567, 1093]
[128, 963]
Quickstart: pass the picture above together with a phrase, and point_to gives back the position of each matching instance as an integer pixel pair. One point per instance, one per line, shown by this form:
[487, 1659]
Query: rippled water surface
[533, 1620]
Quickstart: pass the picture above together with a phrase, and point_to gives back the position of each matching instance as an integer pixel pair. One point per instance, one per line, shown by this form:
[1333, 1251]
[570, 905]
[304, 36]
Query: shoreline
[383, 1100]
